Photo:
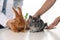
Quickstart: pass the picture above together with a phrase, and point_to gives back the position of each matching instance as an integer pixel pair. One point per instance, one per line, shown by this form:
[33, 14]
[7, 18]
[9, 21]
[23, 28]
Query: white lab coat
[10, 4]
[9, 11]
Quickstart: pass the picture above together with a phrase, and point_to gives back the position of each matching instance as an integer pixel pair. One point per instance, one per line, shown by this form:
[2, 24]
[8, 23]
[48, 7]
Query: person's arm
[54, 23]
[45, 7]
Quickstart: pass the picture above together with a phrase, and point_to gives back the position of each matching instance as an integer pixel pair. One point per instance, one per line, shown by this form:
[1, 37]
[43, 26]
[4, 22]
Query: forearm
[45, 7]
[54, 23]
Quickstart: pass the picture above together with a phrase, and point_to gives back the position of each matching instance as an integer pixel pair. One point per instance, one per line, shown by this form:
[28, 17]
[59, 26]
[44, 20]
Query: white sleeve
[3, 19]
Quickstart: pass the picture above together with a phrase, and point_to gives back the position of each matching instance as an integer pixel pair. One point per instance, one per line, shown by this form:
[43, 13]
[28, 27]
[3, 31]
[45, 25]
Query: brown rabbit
[18, 23]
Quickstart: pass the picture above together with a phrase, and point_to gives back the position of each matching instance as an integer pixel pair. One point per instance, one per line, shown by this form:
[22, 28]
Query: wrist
[36, 15]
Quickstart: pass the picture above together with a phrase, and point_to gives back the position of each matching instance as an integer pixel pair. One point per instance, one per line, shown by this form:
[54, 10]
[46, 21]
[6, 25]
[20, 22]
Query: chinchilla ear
[30, 17]
[38, 16]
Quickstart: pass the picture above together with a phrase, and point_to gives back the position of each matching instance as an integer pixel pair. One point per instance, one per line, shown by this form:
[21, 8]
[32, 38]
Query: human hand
[50, 27]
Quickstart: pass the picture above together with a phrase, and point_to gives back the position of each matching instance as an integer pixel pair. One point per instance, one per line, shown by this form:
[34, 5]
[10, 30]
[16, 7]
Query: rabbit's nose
[20, 29]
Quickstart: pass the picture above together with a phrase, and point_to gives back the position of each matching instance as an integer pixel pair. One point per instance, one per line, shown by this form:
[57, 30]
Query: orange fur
[18, 23]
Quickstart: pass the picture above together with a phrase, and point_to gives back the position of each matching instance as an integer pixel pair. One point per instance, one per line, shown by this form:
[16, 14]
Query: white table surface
[6, 34]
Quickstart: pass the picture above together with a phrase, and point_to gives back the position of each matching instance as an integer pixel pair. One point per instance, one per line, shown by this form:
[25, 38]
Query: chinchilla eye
[33, 20]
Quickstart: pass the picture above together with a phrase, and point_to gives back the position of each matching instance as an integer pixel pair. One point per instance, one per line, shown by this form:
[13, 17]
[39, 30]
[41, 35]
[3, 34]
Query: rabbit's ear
[14, 10]
[20, 11]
